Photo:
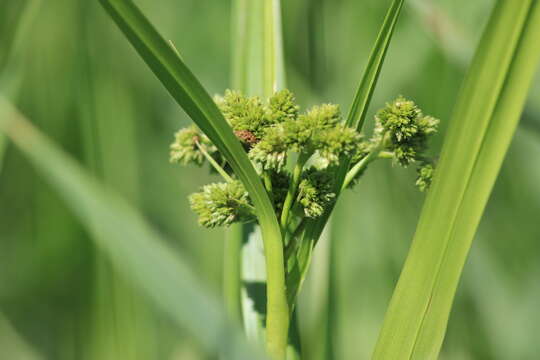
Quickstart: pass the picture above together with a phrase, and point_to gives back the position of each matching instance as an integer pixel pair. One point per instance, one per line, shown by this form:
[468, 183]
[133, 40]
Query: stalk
[195, 100]
[231, 271]
[293, 187]
[485, 117]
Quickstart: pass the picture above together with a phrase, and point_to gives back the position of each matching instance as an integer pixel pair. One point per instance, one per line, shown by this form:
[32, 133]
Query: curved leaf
[484, 120]
[121, 232]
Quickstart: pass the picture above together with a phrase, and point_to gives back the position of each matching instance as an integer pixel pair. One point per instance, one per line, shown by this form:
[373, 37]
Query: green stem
[214, 163]
[293, 187]
[231, 271]
[293, 242]
[278, 316]
[386, 155]
[376, 153]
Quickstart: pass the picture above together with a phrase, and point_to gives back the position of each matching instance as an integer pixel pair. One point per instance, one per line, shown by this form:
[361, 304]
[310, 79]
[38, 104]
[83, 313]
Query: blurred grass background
[78, 79]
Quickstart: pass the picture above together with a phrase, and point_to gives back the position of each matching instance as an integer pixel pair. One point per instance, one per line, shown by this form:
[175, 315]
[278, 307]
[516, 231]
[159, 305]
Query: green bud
[406, 129]
[184, 149]
[425, 175]
[271, 152]
[222, 204]
[336, 142]
[303, 134]
[400, 118]
[315, 192]
[282, 107]
[243, 113]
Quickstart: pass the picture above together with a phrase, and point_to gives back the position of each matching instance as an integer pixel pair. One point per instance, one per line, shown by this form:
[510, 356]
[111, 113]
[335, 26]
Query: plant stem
[278, 318]
[360, 166]
[231, 271]
[214, 163]
[293, 187]
[293, 242]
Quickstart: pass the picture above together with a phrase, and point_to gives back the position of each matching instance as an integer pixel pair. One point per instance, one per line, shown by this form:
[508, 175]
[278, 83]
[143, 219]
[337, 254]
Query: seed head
[406, 128]
[243, 113]
[281, 107]
[185, 148]
[222, 204]
[425, 175]
[315, 192]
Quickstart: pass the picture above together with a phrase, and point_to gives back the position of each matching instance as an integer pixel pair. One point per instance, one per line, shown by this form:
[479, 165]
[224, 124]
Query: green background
[80, 82]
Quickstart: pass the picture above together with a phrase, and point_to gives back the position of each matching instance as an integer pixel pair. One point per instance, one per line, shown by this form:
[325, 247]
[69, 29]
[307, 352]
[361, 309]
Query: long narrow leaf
[482, 126]
[12, 60]
[121, 232]
[362, 99]
[355, 118]
[194, 99]
[258, 69]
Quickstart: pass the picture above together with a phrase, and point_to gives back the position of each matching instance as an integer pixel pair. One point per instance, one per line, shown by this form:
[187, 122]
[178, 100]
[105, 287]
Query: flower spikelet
[424, 175]
[300, 134]
[336, 142]
[243, 113]
[407, 130]
[315, 192]
[281, 107]
[184, 149]
[221, 204]
[271, 152]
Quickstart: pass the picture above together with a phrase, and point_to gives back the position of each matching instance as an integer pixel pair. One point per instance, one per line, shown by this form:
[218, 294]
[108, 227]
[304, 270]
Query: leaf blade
[484, 120]
[193, 98]
[129, 241]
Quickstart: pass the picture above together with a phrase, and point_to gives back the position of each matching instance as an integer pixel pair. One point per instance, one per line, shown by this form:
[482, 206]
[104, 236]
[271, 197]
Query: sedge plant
[284, 168]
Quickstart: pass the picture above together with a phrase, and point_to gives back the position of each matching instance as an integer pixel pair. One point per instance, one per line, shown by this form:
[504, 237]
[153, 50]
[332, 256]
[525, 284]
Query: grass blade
[258, 69]
[485, 117]
[355, 118]
[194, 99]
[129, 241]
[362, 99]
[11, 60]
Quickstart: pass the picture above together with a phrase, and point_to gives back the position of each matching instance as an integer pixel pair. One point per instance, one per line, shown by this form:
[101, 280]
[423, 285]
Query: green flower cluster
[222, 204]
[406, 128]
[401, 132]
[315, 192]
[189, 146]
[275, 131]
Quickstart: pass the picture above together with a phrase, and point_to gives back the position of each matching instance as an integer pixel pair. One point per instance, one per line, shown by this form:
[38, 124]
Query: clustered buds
[402, 132]
[272, 131]
[407, 128]
[222, 204]
[188, 146]
[315, 192]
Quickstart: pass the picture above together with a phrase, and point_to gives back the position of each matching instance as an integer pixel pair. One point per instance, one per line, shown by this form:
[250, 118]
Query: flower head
[315, 192]
[222, 204]
[300, 133]
[425, 175]
[406, 129]
[271, 152]
[243, 113]
[336, 142]
[281, 107]
[186, 148]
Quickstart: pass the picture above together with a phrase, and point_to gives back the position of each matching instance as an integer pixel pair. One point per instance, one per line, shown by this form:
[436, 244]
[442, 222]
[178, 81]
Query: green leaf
[355, 118]
[11, 61]
[134, 247]
[247, 77]
[362, 99]
[258, 69]
[484, 120]
[194, 99]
